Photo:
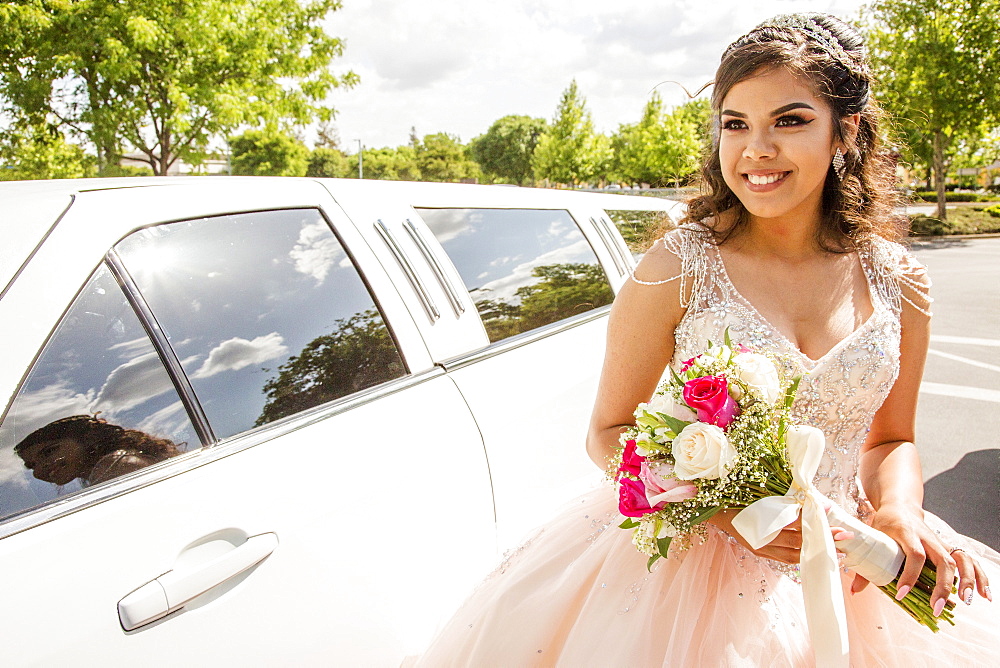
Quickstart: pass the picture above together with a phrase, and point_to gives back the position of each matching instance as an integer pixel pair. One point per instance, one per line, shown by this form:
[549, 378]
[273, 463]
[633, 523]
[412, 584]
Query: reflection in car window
[265, 310]
[523, 267]
[97, 404]
[640, 228]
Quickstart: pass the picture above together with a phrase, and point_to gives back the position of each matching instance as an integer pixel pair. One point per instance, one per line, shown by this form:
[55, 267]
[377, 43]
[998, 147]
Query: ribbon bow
[761, 521]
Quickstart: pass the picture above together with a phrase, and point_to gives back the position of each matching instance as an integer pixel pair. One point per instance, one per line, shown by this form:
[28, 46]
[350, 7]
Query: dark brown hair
[830, 55]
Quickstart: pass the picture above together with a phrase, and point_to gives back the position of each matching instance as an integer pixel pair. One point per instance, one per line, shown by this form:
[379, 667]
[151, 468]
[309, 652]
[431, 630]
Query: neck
[782, 237]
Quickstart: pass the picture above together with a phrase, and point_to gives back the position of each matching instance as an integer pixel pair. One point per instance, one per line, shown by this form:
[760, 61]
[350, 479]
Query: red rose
[631, 462]
[632, 498]
[709, 397]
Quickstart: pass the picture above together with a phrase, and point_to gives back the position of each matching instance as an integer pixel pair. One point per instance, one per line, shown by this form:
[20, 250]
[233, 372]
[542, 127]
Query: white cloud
[456, 66]
[237, 353]
[36, 409]
[169, 422]
[316, 251]
[133, 383]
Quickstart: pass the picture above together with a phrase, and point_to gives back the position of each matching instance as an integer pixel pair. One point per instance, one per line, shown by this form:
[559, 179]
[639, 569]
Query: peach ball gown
[577, 592]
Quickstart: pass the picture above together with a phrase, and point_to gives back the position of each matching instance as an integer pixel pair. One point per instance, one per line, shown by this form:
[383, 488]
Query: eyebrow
[776, 112]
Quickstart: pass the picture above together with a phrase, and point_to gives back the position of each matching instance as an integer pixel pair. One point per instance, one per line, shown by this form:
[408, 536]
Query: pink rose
[632, 498]
[631, 462]
[662, 486]
[689, 363]
[709, 397]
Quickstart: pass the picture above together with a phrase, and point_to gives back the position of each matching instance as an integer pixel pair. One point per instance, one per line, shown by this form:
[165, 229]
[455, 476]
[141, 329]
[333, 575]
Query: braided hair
[831, 56]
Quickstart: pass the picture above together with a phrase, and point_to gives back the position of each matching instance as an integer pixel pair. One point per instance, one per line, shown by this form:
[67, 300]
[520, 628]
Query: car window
[524, 268]
[266, 312]
[97, 404]
[640, 228]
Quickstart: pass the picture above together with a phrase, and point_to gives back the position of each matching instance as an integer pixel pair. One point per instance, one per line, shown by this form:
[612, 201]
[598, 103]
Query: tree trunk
[939, 139]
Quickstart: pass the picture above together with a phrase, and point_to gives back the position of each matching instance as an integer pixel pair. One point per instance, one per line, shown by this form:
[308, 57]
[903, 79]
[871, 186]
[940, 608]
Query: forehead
[766, 90]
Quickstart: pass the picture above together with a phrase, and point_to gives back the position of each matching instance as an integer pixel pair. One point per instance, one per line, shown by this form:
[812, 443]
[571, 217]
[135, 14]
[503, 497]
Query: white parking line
[960, 391]
[964, 360]
[965, 340]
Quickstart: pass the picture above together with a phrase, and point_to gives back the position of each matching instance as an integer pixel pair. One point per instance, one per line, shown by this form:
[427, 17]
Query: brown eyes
[788, 121]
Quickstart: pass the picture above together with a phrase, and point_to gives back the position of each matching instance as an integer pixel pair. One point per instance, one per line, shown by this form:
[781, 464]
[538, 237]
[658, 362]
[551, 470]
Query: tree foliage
[938, 62]
[391, 164]
[441, 157]
[571, 151]
[563, 290]
[660, 148]
[504, 152]
[357, 354]
[41, 152]
[268, 152]
[165, 76]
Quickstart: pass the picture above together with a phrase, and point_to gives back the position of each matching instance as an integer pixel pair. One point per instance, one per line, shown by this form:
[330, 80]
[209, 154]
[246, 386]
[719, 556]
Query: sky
[456, 66]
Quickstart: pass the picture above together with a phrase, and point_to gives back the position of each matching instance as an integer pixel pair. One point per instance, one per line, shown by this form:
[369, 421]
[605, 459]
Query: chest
[814, 305]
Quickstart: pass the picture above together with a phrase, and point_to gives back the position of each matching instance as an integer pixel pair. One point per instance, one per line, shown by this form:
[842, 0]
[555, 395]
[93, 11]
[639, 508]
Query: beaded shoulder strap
[894, 272]
[688, 245]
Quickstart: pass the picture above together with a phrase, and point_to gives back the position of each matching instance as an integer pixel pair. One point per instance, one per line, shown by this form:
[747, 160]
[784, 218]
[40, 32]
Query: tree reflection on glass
[562, 291]
[358, 354]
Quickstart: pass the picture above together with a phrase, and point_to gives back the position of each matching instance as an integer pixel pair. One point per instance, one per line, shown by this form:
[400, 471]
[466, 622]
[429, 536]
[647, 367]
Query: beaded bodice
[840, 392]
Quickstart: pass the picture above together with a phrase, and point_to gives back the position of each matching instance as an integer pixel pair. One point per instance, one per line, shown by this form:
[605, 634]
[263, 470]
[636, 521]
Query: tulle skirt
[578, 594]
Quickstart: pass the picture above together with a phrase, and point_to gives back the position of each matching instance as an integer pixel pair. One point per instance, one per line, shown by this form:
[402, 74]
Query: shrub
[931, 196]
[921, 225]
[993, 210]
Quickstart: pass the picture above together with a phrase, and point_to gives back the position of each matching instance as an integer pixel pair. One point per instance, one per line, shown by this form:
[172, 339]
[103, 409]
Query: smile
[765, 179]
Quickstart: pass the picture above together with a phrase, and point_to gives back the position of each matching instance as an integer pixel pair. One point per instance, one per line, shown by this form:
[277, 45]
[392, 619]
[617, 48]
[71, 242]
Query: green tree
[330, 162]
[504, 152]
[441, 157]
[659, 148]
[571, 151]
[357, 354]
[268, 153]
[391, 164]
[164, 76]
[41, 152]
[938, 62]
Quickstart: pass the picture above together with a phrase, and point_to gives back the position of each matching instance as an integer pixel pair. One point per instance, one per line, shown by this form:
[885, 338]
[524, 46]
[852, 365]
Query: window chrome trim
[404, 262]
[608, 244]
[619, 243]
[162, 345]
[33, 517]
[513, 342]
[432, 260]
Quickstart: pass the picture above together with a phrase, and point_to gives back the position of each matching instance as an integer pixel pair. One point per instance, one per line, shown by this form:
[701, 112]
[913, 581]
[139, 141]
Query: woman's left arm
[891, 475]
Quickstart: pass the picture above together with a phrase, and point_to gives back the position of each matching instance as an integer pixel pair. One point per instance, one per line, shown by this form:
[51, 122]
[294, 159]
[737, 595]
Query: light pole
[361, 169]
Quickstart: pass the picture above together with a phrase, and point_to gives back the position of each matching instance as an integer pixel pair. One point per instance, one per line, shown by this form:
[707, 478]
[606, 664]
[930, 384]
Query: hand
[785, 547]
[904, 523]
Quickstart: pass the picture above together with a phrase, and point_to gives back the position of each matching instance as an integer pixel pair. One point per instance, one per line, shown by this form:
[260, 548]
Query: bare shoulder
[662, 262]
[915, 286]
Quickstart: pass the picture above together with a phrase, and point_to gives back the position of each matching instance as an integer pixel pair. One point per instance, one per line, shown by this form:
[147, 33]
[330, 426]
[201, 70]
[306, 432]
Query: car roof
[29, 210]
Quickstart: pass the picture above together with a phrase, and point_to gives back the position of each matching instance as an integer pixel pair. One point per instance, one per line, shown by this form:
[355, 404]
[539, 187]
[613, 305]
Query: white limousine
[264, 421]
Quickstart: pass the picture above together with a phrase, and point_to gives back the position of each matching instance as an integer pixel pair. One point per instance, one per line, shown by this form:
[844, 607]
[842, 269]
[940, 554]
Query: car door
[339, 530]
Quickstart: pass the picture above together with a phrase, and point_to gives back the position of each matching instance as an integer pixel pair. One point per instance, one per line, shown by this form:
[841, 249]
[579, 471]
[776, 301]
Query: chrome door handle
[173, 589]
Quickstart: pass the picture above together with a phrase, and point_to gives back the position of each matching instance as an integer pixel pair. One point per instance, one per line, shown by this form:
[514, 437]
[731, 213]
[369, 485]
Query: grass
[961, 220]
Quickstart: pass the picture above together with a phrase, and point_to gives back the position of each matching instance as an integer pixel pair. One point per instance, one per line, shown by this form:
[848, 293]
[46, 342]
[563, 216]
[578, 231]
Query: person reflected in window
[90, 448]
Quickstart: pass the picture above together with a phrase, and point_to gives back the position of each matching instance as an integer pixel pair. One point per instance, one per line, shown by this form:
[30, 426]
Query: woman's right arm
[639, 347]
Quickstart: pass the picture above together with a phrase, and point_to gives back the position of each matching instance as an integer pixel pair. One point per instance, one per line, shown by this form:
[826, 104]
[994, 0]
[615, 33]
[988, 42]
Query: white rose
[702, 450]
[758, 372]
[664, 403]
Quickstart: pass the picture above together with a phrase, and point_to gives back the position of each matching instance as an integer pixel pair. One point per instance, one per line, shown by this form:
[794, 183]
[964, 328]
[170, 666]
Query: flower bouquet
[718, 435]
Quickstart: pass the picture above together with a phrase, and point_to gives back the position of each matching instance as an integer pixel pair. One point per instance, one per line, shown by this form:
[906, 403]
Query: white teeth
[763, 180]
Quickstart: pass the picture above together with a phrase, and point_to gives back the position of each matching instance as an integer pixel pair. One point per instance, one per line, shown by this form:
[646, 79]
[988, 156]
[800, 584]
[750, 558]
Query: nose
[759, 146]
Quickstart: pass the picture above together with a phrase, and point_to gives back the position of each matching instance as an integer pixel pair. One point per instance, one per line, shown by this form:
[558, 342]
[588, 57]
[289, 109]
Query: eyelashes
[787, 121]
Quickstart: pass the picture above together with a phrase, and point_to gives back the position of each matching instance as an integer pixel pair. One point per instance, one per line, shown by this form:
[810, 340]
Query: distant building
[209, 166]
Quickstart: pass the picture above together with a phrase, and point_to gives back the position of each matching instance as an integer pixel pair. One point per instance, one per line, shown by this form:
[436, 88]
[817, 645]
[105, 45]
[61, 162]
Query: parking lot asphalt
[958, 419]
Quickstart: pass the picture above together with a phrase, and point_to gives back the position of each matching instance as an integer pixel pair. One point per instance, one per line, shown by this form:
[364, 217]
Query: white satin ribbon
[871, 554]
[760, 522]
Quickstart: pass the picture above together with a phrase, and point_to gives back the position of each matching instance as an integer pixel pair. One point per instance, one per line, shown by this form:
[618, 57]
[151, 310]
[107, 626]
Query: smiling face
[59, 461]
[776, 142]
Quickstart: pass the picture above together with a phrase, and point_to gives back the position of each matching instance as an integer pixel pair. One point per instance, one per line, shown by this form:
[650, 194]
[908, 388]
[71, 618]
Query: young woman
[791, 248]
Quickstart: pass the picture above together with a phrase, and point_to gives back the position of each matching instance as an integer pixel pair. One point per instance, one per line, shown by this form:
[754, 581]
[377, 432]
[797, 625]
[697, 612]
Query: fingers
[914, 563]
[859, 584]
[946, 571]
[970, 577]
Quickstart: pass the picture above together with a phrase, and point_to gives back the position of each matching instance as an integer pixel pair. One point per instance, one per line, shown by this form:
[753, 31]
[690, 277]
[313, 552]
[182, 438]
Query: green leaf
[727, 339]
[676, 426]
[790, 391]
[663, 545]
[652, 560]
[629, 523]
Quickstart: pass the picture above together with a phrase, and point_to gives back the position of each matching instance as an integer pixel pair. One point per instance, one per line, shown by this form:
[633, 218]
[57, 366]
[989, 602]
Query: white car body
[343, 534]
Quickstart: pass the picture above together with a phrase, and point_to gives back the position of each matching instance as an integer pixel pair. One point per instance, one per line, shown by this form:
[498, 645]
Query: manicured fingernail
[902, 592]
[844, 535]
[938, 607]
[967, 596]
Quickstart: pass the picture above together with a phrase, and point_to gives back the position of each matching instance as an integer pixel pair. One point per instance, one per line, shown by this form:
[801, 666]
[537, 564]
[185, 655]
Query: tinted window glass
[99, 362]
[640, 228]
[265, 310]
[523, 267]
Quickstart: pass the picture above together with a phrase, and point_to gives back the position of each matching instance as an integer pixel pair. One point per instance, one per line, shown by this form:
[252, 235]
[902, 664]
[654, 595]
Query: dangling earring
[838, 164]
